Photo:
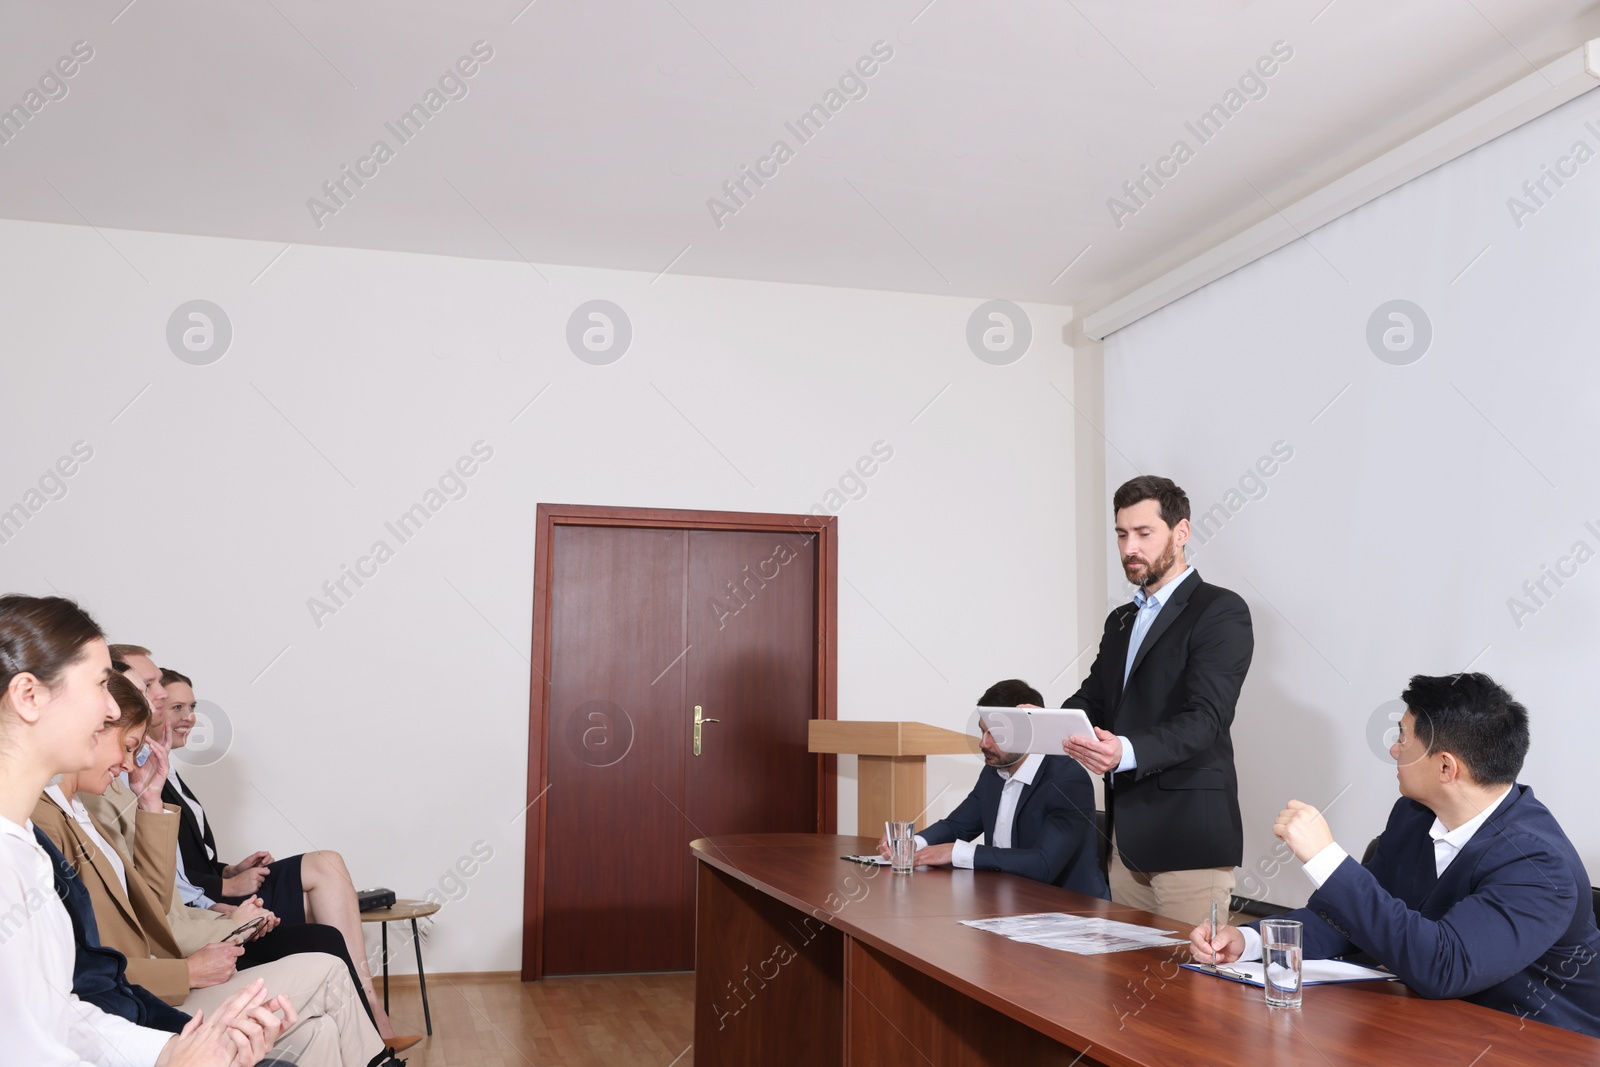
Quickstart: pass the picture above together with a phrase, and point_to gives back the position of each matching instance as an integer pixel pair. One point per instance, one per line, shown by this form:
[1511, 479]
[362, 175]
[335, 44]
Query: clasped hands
[1301, 827]
[248, 910]
[247, 875]
[237, 1033]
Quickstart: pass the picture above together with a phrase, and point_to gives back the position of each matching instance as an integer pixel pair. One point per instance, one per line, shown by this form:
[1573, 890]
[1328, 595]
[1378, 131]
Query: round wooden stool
[402, 910]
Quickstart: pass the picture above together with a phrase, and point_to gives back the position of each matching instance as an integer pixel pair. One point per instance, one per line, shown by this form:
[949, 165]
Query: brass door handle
[699, 721]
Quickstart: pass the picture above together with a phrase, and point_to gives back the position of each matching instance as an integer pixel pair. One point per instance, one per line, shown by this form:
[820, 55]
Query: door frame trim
[826, 529]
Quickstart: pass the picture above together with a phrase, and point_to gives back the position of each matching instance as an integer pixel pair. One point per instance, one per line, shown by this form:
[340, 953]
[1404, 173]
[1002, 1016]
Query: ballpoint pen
[1213, 934]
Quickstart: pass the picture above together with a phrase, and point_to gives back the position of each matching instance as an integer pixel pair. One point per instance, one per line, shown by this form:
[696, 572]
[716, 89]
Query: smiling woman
[113, 750]
[53, 666]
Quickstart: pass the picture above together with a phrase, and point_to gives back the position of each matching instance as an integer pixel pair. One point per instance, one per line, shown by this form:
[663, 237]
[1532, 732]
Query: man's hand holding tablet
[1099, 754]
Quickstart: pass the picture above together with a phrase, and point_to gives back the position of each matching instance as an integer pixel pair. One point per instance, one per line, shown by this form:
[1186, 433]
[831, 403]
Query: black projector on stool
[373, 899]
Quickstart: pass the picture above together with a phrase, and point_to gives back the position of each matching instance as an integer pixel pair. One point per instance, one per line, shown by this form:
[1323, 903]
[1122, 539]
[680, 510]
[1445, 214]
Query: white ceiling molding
[1545, 89]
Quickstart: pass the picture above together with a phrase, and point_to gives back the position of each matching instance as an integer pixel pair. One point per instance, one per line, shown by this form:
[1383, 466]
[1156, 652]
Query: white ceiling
[979, 162]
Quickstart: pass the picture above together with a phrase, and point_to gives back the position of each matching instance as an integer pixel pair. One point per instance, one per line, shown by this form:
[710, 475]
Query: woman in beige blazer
[115, 812]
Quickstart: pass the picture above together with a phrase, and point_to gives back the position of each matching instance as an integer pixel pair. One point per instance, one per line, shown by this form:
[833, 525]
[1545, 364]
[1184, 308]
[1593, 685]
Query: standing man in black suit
[1036, 813]
[1161, 696]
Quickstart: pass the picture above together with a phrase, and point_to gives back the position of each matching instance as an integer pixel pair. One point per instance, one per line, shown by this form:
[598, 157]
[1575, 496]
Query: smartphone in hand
[142, 756]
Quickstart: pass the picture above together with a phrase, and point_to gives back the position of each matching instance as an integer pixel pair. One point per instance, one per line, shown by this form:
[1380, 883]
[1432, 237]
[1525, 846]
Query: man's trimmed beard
[1164, 563]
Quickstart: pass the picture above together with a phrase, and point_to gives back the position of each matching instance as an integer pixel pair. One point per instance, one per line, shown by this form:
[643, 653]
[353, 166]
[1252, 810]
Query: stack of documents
[1083, 934]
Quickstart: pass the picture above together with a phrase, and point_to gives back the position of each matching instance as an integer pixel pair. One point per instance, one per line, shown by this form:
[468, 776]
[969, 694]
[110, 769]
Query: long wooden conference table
[805, 958]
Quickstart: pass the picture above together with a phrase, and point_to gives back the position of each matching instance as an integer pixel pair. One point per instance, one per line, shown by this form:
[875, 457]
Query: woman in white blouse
[53, 706]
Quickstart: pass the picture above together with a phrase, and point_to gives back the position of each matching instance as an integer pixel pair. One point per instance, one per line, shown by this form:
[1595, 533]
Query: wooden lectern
[893, 777]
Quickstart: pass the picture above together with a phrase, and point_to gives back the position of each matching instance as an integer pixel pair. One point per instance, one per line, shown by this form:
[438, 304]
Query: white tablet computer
[1035, 730]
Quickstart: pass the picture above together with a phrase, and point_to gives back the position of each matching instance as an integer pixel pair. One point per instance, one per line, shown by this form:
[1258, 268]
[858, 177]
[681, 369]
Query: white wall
[219, 501]
[1420, 497]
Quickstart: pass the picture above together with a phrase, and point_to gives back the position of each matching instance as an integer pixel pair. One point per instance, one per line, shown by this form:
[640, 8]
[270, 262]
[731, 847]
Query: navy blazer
[99, 974]
[1053, 836]
[1510, 925]
[1178, 809]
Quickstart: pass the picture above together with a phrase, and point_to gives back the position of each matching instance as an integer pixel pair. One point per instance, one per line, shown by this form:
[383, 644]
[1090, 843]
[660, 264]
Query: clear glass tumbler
[902, 845]
[1280, 961]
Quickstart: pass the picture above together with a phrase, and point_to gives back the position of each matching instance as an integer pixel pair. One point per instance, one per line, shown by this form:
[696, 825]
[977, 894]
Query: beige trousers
[333, 1030]
[1182, 895]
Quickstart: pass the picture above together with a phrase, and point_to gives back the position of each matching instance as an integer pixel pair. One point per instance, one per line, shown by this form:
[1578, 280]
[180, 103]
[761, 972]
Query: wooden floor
[497, 1021]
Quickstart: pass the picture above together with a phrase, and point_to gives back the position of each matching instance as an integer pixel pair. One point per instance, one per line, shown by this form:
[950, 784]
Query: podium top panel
[887, 738]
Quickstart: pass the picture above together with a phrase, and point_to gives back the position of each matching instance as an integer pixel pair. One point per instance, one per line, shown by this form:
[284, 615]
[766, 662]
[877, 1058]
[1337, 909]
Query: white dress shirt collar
[1015, 783]
[73, 808]
[1023, 771]
[21, 833]
[1448, 843]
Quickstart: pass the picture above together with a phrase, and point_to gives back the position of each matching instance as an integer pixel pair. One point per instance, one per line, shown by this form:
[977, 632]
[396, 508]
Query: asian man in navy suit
[1473, 891]
[1036, 813]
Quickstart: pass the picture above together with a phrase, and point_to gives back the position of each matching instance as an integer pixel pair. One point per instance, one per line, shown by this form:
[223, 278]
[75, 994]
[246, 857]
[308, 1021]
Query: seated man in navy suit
[1036, 813]
[1473, 890]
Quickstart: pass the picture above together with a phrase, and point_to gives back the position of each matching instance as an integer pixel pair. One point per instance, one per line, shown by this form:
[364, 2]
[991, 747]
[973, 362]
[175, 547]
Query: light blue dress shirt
[190, 893]
[1149, 605]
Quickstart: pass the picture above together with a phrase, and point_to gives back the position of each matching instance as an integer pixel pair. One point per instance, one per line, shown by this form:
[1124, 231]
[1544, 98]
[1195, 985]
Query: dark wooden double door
[645, 624]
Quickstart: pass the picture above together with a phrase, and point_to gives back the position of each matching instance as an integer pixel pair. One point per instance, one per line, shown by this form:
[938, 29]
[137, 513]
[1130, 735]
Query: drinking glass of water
[902, 845]
[1280, 961]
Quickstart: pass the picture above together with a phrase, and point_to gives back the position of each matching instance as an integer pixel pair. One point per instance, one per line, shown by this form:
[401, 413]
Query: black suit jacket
[197, 847]
[100, 974]
[1053, 837]
[1178, 809]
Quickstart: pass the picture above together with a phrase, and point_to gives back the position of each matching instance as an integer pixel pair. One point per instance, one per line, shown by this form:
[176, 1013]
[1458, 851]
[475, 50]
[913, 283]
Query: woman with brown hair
[54, 709]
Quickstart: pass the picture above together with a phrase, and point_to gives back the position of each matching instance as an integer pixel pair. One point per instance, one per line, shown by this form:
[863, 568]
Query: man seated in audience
[1473, 891]
[1036, 812]
[236, 881]
[114, 811]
